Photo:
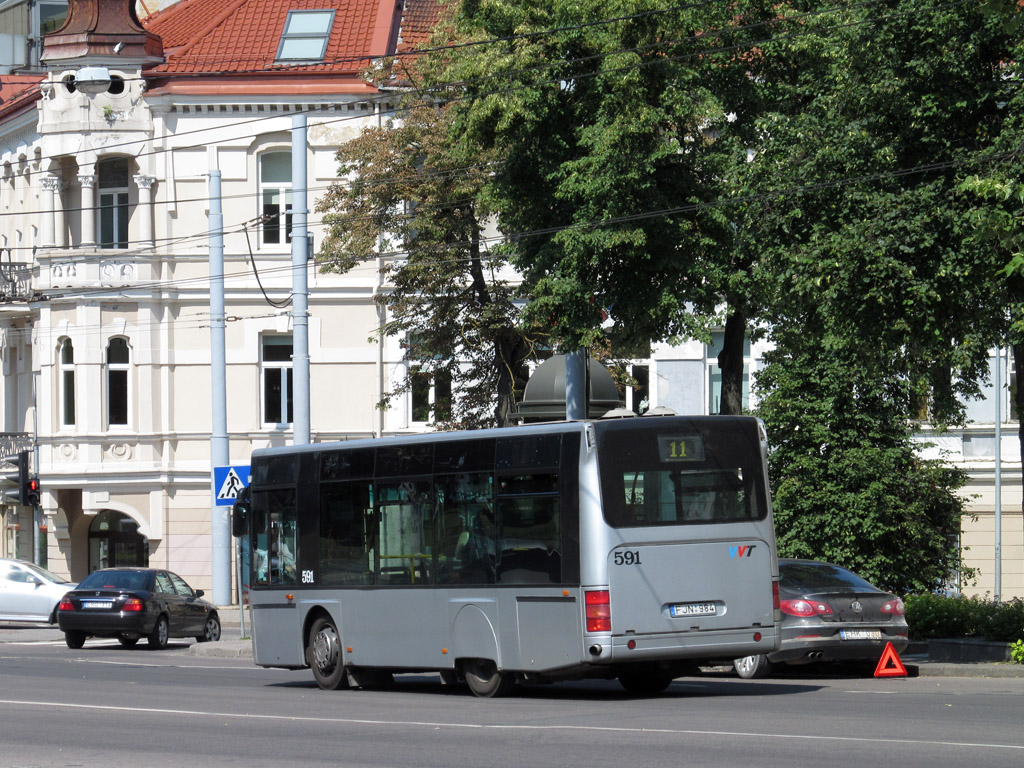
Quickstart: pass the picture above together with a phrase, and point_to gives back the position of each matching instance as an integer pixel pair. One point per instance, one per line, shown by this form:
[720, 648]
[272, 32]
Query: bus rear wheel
[323, 653]
[645, 679]
[485, 681]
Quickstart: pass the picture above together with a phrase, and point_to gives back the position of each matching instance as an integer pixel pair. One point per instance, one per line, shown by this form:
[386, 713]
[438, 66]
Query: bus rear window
[664, 497]
[685, 474]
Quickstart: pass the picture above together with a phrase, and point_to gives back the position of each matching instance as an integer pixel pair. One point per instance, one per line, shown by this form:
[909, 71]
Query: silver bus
[634, 548]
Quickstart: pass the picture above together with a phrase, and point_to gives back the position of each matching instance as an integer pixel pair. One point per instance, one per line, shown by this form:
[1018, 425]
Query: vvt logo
[743, 550]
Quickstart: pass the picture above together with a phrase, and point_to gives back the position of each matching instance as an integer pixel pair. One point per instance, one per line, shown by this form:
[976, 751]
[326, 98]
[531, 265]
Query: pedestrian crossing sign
[228, 482]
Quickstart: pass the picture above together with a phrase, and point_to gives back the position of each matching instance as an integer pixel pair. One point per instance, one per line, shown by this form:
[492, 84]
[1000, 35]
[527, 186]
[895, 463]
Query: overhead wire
[639, 215]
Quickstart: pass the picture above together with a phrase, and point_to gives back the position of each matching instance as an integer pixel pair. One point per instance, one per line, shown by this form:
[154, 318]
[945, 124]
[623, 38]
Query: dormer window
[305, 35]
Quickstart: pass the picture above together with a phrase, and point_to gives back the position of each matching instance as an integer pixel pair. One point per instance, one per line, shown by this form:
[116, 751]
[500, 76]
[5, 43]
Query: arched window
[67, 383]
[276, 197]
[118, 359]
[112, 176]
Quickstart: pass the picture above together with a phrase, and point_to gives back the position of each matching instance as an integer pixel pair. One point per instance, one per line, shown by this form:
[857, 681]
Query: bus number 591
[627, 557]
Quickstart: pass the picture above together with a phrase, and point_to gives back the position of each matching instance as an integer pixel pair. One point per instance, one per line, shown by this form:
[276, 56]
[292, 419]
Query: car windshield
[802, 576]
[45, 574]
[115, 580]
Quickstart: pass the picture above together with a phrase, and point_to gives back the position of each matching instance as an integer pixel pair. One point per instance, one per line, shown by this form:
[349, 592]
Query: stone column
[88, 182]
[51, 186]
[145, 185]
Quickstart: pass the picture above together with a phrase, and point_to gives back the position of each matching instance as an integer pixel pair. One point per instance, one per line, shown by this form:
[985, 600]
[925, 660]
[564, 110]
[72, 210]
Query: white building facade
[105, 306]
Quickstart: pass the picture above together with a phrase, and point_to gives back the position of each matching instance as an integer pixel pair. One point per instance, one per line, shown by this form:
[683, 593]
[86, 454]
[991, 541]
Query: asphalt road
[107, 706]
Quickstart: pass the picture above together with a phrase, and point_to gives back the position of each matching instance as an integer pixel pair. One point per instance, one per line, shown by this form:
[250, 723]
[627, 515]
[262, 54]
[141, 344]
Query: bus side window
[406, 510]
[346, 552]
[529, 550]
[275, 538]
[465, 539]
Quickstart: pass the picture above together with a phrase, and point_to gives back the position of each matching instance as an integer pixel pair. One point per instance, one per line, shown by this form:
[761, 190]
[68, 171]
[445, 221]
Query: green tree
[617, 125]
[414, 202]
[885, 309]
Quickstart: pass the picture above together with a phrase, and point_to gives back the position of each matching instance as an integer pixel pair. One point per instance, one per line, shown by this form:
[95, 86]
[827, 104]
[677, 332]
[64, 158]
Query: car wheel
[211, 630]
[158, 637]
[485, 681]
[751, 667]
[128, 641]
[323, 654]
[74, 639]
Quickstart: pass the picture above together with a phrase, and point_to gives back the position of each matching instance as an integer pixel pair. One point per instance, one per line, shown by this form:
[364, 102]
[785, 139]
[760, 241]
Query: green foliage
[613, 137]
[887, 300]
[413, 209]
[1017, 651]
[937, 616]
[849, 486]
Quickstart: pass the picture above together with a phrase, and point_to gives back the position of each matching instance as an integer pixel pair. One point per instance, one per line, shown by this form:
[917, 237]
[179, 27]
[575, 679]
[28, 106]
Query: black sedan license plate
[680, 610]
[98, 605]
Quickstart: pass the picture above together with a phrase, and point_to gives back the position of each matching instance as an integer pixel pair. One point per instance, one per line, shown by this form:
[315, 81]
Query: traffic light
[26, 489]
[30, 494]
[18, 476]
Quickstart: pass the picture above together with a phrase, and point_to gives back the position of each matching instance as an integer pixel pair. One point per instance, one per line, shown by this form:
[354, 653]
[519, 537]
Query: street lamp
[92, 80]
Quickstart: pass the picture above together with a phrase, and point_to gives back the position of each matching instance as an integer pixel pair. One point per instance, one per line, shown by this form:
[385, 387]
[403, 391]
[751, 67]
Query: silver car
[29, 593]
[830, 614]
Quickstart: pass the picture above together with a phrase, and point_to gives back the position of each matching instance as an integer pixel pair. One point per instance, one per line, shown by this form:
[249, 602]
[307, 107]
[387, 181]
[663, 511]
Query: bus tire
[485, 681]
[645, 680]
[323, 654]
[752, 667]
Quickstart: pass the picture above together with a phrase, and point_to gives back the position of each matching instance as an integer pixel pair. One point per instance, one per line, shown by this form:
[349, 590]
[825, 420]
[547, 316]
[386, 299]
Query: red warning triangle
[890, 657]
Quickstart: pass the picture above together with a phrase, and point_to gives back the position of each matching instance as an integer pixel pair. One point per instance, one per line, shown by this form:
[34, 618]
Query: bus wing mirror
[240, 514]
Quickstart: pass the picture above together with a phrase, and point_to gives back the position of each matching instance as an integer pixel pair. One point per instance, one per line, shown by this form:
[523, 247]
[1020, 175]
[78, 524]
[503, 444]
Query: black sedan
[829, 614]
[132, 603]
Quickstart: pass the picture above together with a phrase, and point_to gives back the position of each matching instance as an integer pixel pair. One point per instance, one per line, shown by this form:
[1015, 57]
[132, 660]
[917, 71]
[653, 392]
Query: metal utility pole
[998, 588]
[219, 450]
[576, 364]
[300, 289]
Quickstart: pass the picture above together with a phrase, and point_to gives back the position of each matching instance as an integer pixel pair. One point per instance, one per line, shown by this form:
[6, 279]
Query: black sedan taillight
[133, 605]
[65, 605]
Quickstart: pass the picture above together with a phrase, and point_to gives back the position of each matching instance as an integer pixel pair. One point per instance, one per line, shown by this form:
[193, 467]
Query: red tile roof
[418, 22]
[18, 92]
[229, 46]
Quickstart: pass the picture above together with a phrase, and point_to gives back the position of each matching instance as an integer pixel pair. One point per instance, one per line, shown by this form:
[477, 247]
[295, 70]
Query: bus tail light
[599, 611]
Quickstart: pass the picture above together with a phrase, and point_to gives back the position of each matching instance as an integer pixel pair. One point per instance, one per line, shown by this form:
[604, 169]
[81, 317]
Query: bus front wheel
[485, 681]
[324, 655]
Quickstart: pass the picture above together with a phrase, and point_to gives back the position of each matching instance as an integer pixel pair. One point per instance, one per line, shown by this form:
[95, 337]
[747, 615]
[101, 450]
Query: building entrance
[114, 540]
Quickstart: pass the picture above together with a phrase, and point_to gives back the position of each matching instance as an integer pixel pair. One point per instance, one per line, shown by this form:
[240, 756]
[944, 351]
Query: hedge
[935, 616]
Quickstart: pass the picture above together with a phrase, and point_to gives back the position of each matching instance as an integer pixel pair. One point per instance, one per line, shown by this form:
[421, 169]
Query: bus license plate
[860, 634]
[693, 609]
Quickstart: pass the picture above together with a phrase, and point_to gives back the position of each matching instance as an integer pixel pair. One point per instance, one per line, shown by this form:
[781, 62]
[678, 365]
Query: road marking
[507, 727]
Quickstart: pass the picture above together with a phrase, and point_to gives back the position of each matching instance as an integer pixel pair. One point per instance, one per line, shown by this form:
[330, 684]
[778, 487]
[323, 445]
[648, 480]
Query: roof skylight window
[305, 35]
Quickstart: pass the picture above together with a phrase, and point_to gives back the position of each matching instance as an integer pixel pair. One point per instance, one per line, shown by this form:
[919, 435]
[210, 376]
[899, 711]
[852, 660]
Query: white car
[29, 593]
